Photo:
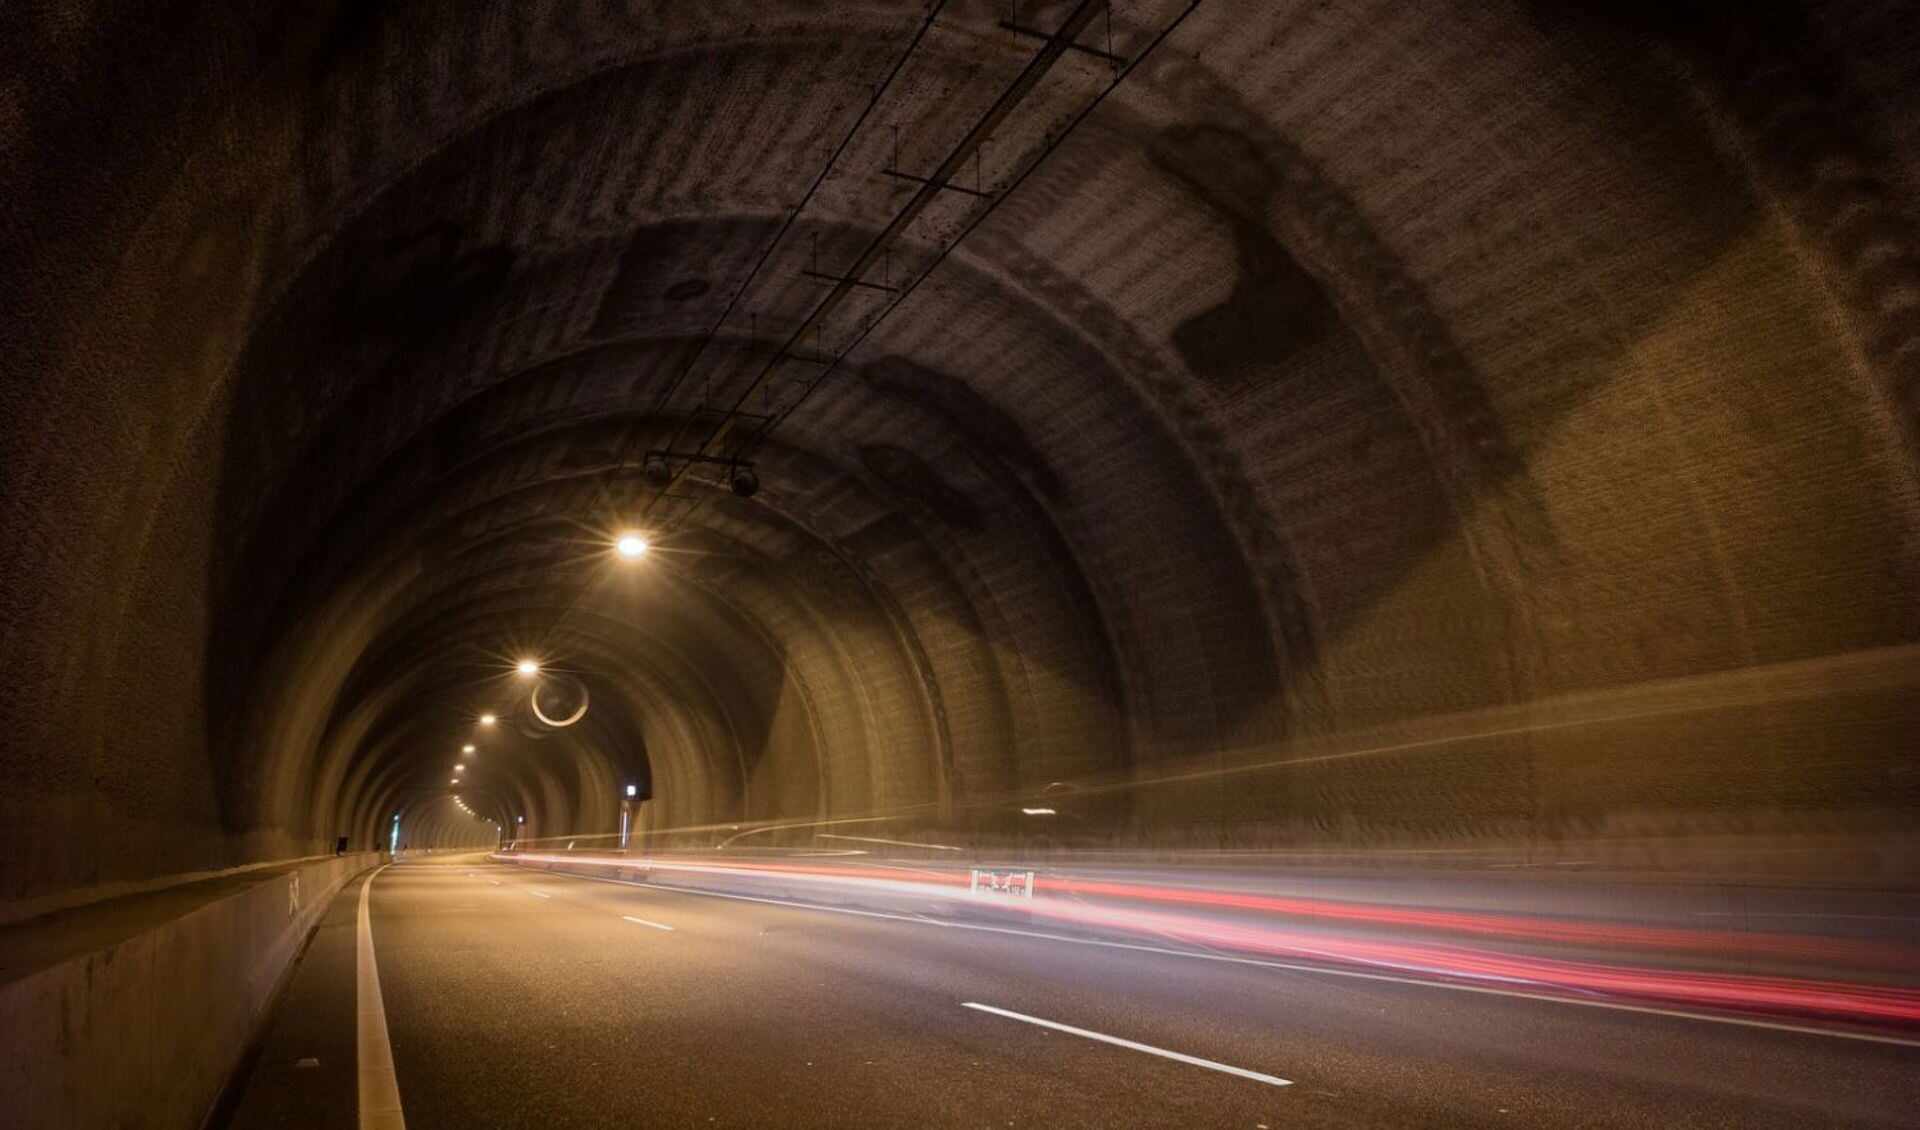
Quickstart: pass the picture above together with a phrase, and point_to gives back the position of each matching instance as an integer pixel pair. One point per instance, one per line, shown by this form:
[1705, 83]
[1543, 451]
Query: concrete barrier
[133, 1013]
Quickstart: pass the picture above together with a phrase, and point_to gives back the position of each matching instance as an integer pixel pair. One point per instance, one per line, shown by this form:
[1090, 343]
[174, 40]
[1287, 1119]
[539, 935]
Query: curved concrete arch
[1505, 447]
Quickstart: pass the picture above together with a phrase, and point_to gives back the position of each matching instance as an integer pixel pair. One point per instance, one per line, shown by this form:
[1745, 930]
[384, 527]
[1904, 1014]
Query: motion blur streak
[1254, 929]
[1718, 942]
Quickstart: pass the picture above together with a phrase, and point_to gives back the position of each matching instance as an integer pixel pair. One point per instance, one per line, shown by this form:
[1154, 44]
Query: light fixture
[468, 748]
[486, 719]
[743, 481]
[527, 667]
[633, 790]
[657, 470]
[455, 781]
[1038, 811]
[631, 546]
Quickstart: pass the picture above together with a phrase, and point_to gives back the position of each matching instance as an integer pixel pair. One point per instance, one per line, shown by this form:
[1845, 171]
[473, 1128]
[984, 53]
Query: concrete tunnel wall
[1498, 419]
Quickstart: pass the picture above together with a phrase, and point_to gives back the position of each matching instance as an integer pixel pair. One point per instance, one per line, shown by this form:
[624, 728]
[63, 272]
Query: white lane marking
[379, 1086]
[644, 922]
[540, 894]
[1118, 1042]
[495, 882]
[1294, 967]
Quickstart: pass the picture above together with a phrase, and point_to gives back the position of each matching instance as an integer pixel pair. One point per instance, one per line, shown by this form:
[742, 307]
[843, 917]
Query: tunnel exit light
[633, 790]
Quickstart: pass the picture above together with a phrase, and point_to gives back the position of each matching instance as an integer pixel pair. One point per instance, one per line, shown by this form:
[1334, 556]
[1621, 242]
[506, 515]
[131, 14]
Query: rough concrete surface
[134, 1015]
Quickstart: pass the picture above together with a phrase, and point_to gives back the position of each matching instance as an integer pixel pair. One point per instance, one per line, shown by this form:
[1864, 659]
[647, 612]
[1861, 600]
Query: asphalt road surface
[518, 998]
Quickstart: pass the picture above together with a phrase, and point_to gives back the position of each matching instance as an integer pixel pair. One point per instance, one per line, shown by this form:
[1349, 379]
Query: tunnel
[883, 563]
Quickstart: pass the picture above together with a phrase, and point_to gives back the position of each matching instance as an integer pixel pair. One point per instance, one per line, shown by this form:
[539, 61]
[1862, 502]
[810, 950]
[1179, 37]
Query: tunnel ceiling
[1276, 383]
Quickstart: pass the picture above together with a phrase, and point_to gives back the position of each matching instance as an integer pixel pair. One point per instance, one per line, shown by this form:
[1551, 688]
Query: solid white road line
[1163, 1053]
[379, 1086]
[644, 922]
[1296, 967]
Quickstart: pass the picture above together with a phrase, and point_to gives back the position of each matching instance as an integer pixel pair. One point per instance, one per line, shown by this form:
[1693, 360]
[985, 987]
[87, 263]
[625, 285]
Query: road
[520, 998]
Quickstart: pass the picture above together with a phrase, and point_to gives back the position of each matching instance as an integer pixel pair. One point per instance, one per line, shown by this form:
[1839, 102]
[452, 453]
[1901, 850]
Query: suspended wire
[881, 244]
[793, 214]
[979, 218]
[605, 483]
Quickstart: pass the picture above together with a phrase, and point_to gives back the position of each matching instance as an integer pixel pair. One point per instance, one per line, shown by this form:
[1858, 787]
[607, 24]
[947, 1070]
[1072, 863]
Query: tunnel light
[631, 546]
[633, 790]
[468, 748]
[486, 719]
[519, 820]
[1038, 811]
[527, 667]
[455, 781]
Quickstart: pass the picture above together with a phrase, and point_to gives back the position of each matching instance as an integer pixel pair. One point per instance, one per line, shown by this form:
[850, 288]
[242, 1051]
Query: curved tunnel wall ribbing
[1505, 447]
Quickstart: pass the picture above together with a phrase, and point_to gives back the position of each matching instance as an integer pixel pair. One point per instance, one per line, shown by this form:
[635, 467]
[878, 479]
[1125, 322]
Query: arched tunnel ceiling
[1351, 378]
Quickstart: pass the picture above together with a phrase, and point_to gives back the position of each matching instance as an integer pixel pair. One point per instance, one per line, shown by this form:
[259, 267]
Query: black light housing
[657, 470]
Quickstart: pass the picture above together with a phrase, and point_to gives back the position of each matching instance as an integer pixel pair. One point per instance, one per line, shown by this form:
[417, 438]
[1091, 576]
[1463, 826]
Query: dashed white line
[495, 882]
[540, 894]
[1131, 1045]
[644, 922]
